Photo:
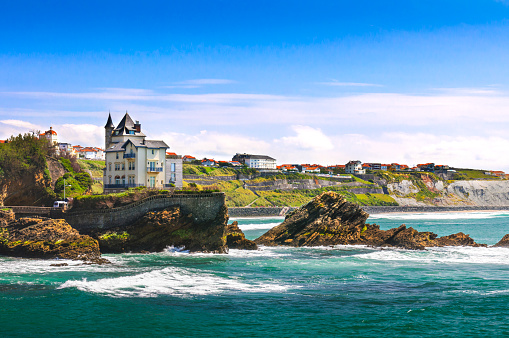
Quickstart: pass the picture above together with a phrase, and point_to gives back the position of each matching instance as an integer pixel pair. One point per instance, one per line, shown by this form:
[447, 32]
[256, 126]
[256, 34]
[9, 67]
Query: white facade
[131, 160]
[174, 170]
[354, 167]
[50, 135]
[260, 162]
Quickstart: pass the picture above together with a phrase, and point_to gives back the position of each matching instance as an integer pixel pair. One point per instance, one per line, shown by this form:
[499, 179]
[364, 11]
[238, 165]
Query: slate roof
[260, 157]
[126, 125]
[151, 144]
[109, 124]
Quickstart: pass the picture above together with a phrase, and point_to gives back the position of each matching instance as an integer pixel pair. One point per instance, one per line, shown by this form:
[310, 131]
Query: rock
[330, 220]
[504, 242]
[47, 238]
[327, 219]
[171, 227]
[235, 238]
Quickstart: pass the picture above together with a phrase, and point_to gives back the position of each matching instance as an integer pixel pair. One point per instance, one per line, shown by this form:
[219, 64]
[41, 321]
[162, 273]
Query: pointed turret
[109, 124]
[108, 130]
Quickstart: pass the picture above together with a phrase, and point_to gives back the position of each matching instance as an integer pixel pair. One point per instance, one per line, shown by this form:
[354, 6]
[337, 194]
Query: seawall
[259, 212]
[203, 207]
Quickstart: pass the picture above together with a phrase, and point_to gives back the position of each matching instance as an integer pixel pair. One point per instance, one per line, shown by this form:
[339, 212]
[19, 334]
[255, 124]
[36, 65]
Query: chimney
[137, 126]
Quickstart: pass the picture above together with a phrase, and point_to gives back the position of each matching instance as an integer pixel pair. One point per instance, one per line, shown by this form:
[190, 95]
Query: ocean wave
[466, 255]
[169, 281]
[440, 215]
[258, 226]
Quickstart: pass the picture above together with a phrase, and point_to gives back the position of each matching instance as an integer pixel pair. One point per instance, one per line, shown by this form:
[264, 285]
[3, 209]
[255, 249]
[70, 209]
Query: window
[109, 164]
[117, 155]
[117, 166]
[109, 180]
[152, 181]
[173, 178]
[152, 151]
[173, 167]
[123, 166]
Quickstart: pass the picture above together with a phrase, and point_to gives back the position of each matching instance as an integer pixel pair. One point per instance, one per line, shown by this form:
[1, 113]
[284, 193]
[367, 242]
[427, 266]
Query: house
[208, 162]
[235, 164]
[306, 168]
[374, 166]
[256, 161]
[498, 173]
[49, 135]
[354, 167]
[131, 159]
[174, 167]
[188, 158]
[384, 166]
[426, 167]
[66, 148]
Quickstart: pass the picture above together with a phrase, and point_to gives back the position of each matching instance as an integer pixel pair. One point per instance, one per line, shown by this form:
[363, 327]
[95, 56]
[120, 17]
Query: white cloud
[82, 134]
[213, 144]
[307, 138]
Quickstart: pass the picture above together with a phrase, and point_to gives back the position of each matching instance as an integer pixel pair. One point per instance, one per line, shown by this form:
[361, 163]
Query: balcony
[133, 155]
[154, 169]
[122, 186]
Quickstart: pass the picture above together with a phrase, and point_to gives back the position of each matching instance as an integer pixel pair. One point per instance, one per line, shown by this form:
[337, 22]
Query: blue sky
[324, 81]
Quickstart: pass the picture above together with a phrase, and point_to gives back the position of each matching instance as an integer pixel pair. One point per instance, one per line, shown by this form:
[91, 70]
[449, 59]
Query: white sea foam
[466, 255]
[258, 226]
[440, 215]
[169, 281]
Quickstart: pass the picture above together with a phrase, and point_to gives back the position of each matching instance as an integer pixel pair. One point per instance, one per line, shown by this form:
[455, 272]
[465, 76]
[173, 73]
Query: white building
[354, 167]
[174, 170]
[256, 161]
[131, 160]
[50, 135]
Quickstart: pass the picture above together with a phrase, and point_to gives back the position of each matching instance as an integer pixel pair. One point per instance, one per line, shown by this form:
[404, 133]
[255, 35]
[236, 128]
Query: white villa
[354, 167]
[131, 160]
[50, 135]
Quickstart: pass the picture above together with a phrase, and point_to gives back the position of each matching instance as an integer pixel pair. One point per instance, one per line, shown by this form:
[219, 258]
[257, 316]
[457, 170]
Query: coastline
[241, 212]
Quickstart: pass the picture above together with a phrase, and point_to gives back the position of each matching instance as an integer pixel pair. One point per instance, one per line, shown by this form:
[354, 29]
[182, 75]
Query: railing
[122, 186]
[154, 169]
[133, 155]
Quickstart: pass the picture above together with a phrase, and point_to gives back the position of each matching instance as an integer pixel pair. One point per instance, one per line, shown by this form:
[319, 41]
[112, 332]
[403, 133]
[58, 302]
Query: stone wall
[204, 207]
[259, 212]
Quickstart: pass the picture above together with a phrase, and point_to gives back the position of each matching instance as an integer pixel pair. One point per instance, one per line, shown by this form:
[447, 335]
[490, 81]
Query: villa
[131, 159]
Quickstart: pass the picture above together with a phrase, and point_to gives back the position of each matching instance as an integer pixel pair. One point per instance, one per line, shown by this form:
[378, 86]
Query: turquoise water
[277, 292]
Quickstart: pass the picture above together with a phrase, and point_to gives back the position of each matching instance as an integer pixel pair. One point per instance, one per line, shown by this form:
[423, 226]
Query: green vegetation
[472, 174]
[95, 167]
[22, 155]
[114, 236]
[191, 169]
[77, 182]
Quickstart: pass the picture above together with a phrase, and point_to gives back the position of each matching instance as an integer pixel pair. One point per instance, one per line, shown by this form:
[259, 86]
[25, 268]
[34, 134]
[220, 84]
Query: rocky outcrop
[171, 227]
[330, 220]
[45, 238]
[327, 219]
[235, 238]
[504, 242]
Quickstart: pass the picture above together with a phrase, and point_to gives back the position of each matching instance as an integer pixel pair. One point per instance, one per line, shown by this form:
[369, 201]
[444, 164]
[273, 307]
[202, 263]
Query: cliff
[330, 220]
[45, 238]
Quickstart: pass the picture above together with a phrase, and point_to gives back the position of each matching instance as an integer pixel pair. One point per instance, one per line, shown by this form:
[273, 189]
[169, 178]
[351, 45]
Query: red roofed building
[49, 135]
[188, 158]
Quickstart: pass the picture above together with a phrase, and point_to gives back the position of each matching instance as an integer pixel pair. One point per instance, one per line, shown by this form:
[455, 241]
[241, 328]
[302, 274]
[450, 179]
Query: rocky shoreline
[276, 211]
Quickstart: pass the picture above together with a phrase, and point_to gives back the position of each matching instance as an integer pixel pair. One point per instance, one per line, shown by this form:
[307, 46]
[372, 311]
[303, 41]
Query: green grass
[472, 174]
[95, 166]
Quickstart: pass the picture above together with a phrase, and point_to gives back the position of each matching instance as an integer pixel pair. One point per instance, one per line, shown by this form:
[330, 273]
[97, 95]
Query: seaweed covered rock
[235, 238]
[47, 238]
[171, 227]
[504, 242]
[327, 219]
[330, 220]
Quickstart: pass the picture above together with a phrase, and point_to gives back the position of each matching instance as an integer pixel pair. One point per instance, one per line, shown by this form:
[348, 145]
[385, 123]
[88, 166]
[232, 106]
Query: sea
[333, 291]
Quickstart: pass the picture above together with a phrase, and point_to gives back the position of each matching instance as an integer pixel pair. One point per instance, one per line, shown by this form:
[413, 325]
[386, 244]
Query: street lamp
[64, 188]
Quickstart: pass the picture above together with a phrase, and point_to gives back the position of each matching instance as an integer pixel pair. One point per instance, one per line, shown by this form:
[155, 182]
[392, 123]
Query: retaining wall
[204, 207]
[259, 212]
